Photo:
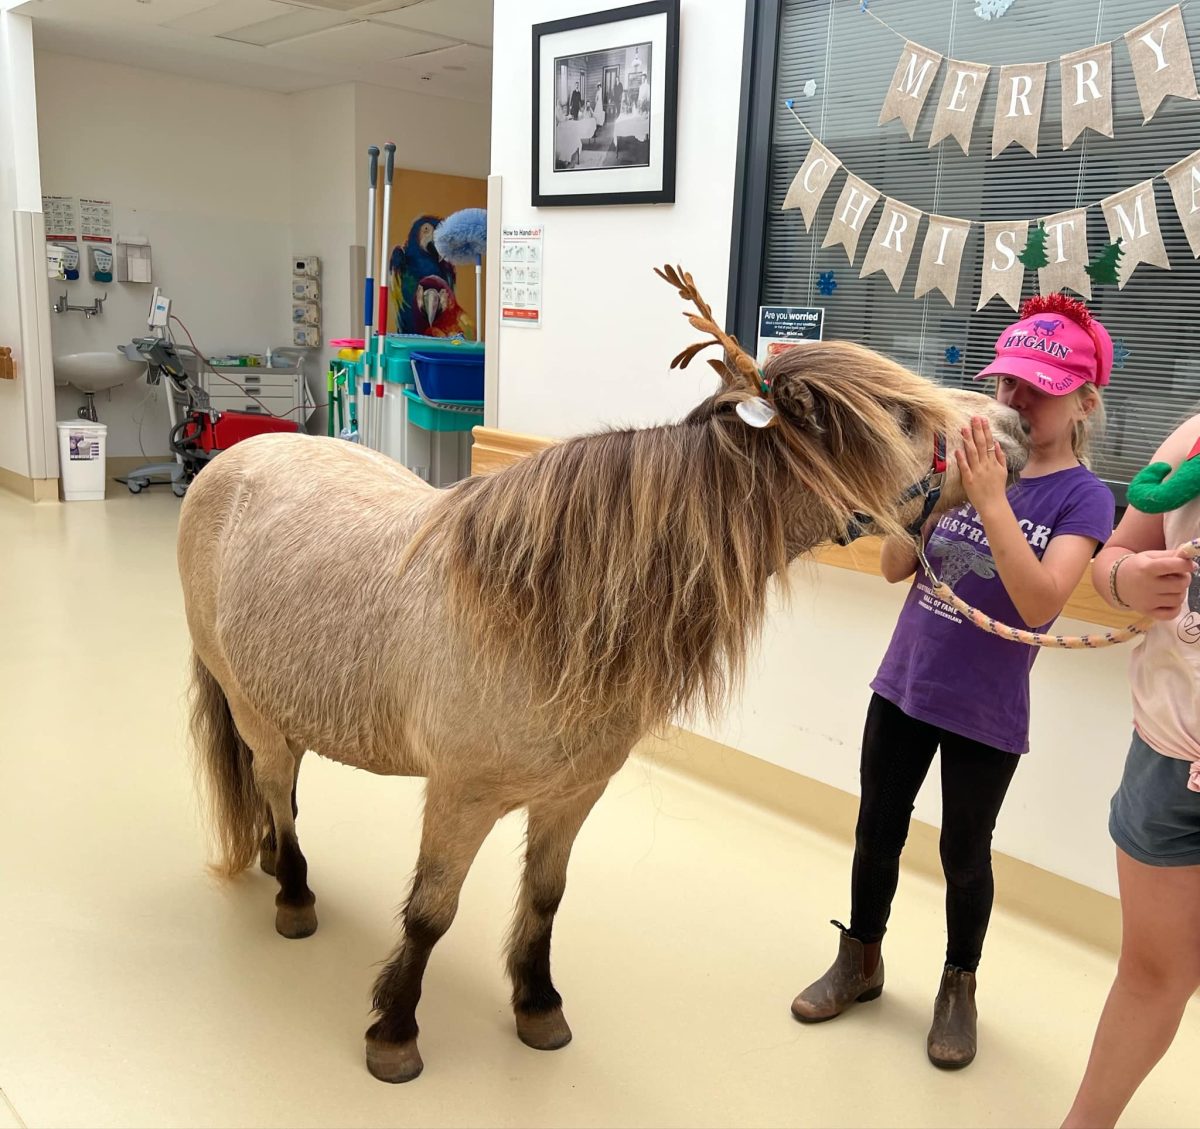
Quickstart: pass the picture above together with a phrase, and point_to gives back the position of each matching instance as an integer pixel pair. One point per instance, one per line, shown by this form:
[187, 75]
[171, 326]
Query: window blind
[852, 57]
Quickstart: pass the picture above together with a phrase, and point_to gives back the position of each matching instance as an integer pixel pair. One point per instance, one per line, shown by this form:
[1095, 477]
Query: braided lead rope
[1109, 638]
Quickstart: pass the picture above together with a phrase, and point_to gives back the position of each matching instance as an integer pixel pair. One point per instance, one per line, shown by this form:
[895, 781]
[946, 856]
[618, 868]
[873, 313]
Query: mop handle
[369, 281]
[478, 296]
[330, 385]
[389, 164]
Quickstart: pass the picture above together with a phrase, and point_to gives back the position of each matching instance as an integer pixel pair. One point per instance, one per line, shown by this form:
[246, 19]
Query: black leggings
[896, 755]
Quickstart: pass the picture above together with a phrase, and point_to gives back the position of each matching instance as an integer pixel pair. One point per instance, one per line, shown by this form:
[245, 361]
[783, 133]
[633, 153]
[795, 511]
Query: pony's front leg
[553, 825]
[454, 827]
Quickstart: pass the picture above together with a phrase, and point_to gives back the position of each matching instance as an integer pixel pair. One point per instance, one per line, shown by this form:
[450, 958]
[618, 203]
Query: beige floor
[134, 990]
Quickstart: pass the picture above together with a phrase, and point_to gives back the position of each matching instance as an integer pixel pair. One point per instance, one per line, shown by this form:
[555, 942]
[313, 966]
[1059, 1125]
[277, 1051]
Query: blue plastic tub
[449, 376]
[399, 347]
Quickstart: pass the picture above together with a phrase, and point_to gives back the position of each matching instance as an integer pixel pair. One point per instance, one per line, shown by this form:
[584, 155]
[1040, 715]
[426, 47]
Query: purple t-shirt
[945, 671]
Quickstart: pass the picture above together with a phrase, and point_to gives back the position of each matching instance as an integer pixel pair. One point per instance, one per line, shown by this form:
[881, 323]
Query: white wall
[15, 194]
[431, 135]
[323, 214]
[611, 328]
[205, 171]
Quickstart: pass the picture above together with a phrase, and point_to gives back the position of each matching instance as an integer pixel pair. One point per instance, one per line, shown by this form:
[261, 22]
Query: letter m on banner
[910, 87]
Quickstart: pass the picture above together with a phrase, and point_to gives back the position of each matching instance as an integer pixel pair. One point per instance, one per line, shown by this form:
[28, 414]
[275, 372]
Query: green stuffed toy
[1153, 492]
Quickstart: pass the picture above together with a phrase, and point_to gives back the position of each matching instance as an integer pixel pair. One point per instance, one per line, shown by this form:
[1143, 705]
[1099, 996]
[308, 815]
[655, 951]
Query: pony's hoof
[393, 1062]
[544, 1030]
[295, 922]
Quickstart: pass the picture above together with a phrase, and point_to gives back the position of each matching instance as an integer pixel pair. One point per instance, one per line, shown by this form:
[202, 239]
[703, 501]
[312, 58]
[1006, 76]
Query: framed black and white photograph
[605, 102]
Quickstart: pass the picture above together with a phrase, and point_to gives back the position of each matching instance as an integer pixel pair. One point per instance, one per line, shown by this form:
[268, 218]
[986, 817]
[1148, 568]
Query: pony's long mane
[624, 575]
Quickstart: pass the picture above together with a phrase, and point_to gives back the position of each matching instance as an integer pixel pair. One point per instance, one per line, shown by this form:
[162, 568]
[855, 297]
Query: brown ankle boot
[952, 1038]
[845, 983]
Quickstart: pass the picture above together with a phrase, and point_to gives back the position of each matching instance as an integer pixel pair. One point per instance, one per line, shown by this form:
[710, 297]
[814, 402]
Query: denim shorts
[1154, 818]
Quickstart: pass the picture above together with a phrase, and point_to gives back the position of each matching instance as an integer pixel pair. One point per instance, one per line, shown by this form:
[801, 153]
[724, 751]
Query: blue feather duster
[462, 236]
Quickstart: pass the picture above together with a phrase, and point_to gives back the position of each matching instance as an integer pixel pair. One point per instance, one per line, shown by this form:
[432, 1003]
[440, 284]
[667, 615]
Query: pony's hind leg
[552, 827]
[275, 765]
[270, 843]
[454, 827]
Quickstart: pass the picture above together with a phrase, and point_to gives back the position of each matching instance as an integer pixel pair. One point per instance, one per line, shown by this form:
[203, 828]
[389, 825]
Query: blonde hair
[1088, 430]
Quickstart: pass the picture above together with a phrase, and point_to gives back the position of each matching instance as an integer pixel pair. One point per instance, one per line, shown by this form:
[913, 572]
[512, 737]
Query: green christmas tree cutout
[1102, 270]
[1034, 256]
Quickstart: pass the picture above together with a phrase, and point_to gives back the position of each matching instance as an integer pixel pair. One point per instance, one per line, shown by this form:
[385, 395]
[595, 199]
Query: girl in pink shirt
[1155, 817]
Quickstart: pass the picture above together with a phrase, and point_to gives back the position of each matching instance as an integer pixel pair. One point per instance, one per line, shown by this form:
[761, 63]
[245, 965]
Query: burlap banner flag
[910, 86]
[853, 207]
[1067, 249]
[1184, 179]
[1132, 217]
[941, 256]
[962, 91]
[1003, 272]
[811, 181]
[1087, 92]
[1019, 107]
[1162, 60]
[892, 245]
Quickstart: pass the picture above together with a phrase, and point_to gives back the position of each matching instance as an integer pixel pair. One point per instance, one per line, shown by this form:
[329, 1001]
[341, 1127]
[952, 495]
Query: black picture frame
[661, 128]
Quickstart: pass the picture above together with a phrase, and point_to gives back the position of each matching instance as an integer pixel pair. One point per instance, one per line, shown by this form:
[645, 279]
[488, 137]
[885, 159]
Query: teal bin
[398, 349]
[421, 415]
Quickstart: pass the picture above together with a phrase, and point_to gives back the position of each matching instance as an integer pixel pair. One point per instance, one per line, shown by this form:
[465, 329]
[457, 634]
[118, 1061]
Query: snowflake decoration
[810, 88]
[953, 355]
[1121, 353]
[992, 9]
[826, 283]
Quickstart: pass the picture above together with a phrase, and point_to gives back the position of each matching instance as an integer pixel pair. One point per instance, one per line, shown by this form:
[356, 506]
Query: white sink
[96, 372]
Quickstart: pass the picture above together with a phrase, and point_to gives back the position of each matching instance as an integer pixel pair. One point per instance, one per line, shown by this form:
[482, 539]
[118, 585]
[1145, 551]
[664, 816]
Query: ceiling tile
[358, 42]
[468, 20]
[226, 15]
[113, 11]
[297, 22]
[344, 6]
[460, 57]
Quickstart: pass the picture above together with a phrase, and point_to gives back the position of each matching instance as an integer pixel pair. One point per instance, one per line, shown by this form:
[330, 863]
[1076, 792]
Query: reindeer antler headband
[738, 370]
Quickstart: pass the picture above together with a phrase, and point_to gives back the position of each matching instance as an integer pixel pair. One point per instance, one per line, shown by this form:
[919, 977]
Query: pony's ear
[739, 370]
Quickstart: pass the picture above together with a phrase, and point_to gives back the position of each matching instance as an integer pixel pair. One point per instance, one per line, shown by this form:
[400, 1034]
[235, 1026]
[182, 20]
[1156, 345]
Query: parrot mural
[436, 311]
[411, 264]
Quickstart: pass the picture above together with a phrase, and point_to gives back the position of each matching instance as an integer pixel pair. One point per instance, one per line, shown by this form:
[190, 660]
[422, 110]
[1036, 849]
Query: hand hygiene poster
[521, 276]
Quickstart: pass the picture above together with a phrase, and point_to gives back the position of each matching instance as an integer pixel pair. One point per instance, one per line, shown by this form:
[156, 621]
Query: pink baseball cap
[1057, 346]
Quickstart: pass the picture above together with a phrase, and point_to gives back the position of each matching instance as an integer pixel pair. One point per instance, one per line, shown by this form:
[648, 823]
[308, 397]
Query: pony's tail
[236, 811]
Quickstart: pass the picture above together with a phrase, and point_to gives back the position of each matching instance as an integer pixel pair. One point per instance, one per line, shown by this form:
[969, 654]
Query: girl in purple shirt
[1016, 553]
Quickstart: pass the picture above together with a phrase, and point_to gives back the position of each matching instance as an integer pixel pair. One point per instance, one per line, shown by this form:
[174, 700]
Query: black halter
[929, 487]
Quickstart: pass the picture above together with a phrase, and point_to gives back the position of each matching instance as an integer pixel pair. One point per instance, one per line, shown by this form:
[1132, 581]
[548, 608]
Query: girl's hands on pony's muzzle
[982, 467]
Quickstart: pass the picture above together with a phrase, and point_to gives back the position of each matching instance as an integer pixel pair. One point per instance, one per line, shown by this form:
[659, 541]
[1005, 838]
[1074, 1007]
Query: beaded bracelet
[1112, 580]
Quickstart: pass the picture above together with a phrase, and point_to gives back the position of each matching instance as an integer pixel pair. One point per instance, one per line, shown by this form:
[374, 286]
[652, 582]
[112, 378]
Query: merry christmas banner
[1056, 247]
[1158, 51]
